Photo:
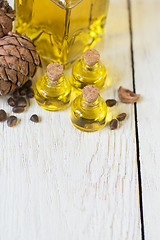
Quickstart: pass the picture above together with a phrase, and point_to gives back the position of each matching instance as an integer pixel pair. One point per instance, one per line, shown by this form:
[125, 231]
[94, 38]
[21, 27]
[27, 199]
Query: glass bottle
[89, 110]
[53, 89]
[61, 29]
[89, 70]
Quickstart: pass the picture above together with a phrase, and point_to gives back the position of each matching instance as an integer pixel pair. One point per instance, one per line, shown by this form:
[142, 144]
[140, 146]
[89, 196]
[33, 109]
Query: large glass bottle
[61, 29]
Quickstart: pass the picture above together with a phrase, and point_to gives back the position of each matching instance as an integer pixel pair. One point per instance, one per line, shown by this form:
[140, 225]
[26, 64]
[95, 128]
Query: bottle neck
[90, 105]
[87, 67]
[54, 83]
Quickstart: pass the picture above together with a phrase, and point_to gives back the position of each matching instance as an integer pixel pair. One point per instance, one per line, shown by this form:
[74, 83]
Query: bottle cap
[90, 93]
[91, 57]
[54, 71]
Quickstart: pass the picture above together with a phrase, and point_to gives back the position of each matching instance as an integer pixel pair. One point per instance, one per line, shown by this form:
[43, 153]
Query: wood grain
[146, 36]
[59, 183]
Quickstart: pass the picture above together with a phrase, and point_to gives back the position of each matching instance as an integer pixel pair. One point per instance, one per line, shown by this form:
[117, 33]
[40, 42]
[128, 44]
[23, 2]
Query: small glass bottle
[53, 89]
[89, 70]
[89, 110]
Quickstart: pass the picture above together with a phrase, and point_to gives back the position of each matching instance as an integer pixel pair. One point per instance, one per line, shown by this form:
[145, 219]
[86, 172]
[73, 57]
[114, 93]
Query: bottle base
[78, 90]
[53, 108]
[89, 127]
[53, 104]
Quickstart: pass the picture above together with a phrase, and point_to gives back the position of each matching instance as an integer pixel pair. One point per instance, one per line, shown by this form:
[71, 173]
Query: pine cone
[6, 18]
[18, 62]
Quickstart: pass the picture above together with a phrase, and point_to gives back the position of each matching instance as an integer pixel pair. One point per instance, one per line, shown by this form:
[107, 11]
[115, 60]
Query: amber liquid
[89, 117]
[83, 75]
[53, 97]
[61, 32]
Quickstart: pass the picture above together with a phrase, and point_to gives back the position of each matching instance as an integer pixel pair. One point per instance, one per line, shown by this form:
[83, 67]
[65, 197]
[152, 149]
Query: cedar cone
[6, 18]
[18, 62]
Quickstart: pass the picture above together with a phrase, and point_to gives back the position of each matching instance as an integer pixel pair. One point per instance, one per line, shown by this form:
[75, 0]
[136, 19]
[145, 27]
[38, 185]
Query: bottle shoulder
[45, 86]
[44, 80]
[80, 70]
[81, 107]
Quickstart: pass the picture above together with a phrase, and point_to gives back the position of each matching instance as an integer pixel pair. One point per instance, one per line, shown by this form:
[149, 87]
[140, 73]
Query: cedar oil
[89, 70]
[53, 89]
[61, 30]
[89, 110]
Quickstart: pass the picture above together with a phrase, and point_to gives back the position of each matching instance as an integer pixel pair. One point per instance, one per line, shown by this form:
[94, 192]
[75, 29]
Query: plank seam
[136, 123]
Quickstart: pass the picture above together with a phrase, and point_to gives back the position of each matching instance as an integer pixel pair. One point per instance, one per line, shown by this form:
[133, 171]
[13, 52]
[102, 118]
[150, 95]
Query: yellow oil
[53, 97]
[83, 75]
[61, 30]
[88, 117]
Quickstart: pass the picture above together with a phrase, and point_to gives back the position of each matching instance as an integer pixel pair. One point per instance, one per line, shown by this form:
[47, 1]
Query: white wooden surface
[59, 183]
[146, 39]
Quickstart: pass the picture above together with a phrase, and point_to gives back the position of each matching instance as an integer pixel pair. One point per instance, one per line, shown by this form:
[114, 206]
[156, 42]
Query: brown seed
[127, 96]
[18, 109]
[11, 102]
[34, 118]
[28, 84]
[121, 117]
[113, 124]
[12, 120]
[30, 93]
[23, 91]
[3, 115]
[111, 102]
[16, 93]
[21, 102]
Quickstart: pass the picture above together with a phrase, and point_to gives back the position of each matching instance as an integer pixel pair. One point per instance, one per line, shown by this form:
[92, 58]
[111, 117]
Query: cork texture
[90, 93]
[54, 71]
[91, 57]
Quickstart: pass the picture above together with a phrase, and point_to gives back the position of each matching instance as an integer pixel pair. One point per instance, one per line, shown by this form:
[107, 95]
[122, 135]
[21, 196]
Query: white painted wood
[59, 183]
[11, 2]
[146, 36]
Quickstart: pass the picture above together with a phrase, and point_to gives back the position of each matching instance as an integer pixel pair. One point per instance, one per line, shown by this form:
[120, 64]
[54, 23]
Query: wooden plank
[11, 2]
[59, 183]
[146, 33]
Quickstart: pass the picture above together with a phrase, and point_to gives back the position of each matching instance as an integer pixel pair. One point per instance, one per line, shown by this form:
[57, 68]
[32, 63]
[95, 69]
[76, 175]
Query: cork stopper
[91, 57]
[54, 71]
[90, 93]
